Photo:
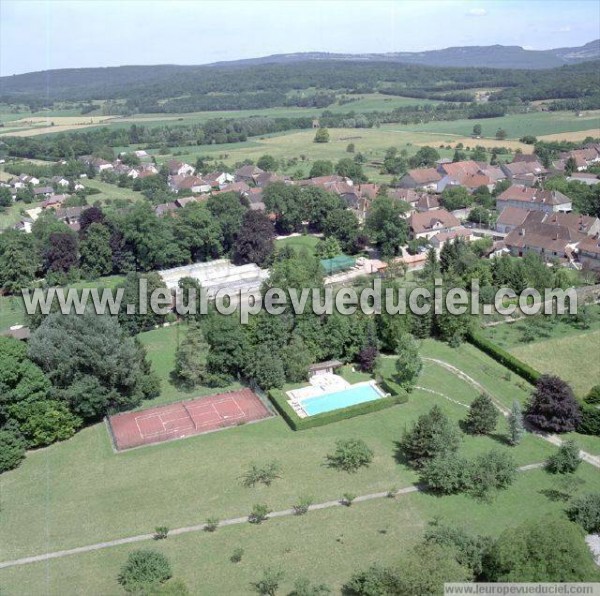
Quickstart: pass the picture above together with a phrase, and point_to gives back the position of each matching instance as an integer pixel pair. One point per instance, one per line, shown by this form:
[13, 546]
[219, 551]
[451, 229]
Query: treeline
[240, 86]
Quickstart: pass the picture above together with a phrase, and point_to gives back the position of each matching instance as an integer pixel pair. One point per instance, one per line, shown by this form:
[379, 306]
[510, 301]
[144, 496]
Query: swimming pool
[356, 394]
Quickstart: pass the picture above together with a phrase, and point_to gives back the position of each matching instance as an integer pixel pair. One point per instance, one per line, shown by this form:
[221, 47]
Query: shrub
[144, 568]
[259, 514]
[303, 587]
[565, 460]
[268, 584]
[490, 472]
[593, 397]
[350, 455]
[12, 450]
[483, 416]
[445, 473]
[348, 499]
[237, 554]
[211, 525]
[553, 406]
[261, 474]
[161, 532]
[432, 435]
[515, 424]
[590, 420]
[585, 511]
[302, 506]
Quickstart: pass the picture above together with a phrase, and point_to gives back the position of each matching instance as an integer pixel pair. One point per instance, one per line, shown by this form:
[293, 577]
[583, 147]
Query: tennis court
[185, 418]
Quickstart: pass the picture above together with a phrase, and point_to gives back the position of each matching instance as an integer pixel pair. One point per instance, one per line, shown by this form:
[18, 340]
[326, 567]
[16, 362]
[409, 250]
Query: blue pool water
[339, 399]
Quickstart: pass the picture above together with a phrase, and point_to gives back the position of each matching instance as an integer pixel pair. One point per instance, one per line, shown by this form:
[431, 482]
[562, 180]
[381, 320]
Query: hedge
[503, 357]
[279, 399]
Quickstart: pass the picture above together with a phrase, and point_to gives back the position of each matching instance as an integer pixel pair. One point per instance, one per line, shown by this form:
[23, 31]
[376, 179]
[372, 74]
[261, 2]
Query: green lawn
[80, 492]
[12, 312]
[516, 125]
[298, 243]
[9, 216]
[110, 192]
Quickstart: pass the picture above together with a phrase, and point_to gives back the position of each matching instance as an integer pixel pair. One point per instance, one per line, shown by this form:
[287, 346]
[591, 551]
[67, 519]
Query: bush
[144, 568]
[303, 587]
[445, 474]
[565, 460]
[593, 397]
[350, 455]
[514, 364]
[211, 525]
[302, 506]
[259, 514]
[261, 474]
[590, 420]
[268, 584]
[348, 499]
[161, 532]
[585, 511]
[490, 472]
[12, 450]
[237, 554]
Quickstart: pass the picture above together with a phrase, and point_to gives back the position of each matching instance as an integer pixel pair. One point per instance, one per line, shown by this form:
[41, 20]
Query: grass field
[13, 214]
[518, 125]
[47, 507]
[574, 358]
[298, 243]
[110, 192]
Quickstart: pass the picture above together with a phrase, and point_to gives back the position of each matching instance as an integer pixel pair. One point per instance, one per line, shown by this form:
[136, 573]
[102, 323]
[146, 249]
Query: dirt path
[228, 522]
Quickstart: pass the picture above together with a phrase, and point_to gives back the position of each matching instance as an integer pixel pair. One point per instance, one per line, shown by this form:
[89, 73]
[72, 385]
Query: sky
[47, 34]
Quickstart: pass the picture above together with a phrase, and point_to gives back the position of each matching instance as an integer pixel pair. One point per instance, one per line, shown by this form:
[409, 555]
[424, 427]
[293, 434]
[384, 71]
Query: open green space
[515, 125]
[12, 312]
[110, 192]
[298, 243]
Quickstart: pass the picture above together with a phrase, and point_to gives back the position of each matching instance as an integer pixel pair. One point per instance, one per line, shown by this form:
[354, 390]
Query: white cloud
[564, 29]
[476, 12]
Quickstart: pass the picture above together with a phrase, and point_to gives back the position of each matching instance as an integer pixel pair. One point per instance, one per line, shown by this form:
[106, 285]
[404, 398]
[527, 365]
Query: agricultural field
[37, 125]
[518, 125]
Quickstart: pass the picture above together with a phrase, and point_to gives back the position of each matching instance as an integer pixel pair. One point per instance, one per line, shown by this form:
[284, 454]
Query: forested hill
[496, 56]
[309, 83]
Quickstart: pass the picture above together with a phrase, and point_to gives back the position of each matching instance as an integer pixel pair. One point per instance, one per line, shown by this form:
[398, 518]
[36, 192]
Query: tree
[516, 429]
[483, 416]
[456, 197]
[321, 167]
[445, 474]
[144, 569]
[432, 435]
[268, 584]
[585, 511]
[479, 154]
[198, 233]
[342, 225]
[565, 460]
[255, 241]
[553, 406]
[408, 361]
[296, 359]
[386, 226]
[228, 211]
[490, 472]
[328, 248]
[322, 136]
[5, 197]
[18, 261]
[190, 358]
[477, 130]
[375, 581]
[12, 449]
[350, 455]
[546, 550]
[95, 251]
[425, 157]
[570, 166]
[92, 364]
[348, 168]
[265, 368]
[501, 134]
[267, 163]
[61, 254]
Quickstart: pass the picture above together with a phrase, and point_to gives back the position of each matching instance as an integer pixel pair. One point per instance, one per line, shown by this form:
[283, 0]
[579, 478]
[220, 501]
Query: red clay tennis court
[186, 418]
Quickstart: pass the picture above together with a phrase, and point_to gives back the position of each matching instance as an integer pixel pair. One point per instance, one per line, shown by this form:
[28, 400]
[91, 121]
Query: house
[321, 368]
[192, 183]
[255, 199]
[408, 195]
[97, 163]
[553, 236]
[70, 215]
[589, 253]
[59, 181]
[267, 178]
[240, 188]
[533, 199]
[179, 168]
[469, 174]
[439, 239]
[585, 178]
[54, 201]
[510, 218]
[527, 173]
[427, 202]
[248, 174]
[165, 209]
[426, 178]
[584, 158]
[45, 191]
[141, 154]
[218, 179]
[430, 223]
